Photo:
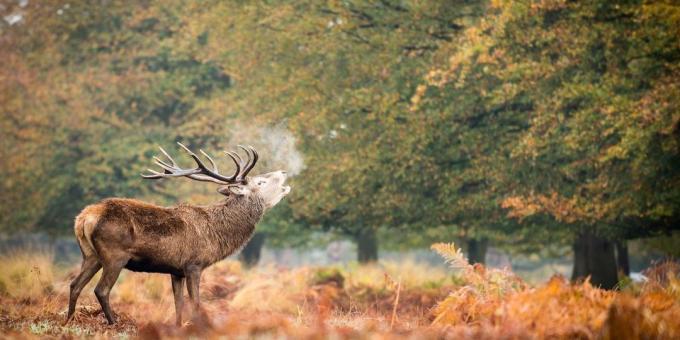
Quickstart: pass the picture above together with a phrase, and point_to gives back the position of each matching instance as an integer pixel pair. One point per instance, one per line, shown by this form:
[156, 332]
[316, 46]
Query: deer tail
[84, 225]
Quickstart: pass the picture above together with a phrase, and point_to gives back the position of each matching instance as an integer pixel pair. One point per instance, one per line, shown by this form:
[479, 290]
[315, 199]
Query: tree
[105, 85]
[342, 74]
[586, 145]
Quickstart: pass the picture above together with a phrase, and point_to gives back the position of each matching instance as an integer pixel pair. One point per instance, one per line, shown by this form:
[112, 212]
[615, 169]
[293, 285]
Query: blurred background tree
[591, 140]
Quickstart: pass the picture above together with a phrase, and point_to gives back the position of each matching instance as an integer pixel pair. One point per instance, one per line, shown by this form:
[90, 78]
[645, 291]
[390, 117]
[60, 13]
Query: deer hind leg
[177, 287]
[110, 272]
[89, 267]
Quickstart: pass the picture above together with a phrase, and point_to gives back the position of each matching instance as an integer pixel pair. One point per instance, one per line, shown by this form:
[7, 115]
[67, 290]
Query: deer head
[270, 186]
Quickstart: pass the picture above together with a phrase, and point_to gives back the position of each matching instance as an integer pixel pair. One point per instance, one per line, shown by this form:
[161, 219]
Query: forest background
[535, 127]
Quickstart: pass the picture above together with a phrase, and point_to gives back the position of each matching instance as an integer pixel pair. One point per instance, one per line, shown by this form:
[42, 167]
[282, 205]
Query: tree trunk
[477, 250]
[594, 257]
[622, 261]
[367, 245]
[250, 255]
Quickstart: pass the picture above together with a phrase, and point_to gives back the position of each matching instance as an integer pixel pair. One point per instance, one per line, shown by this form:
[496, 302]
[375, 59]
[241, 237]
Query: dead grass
[350, 302]
[26, 274]
[272, 290]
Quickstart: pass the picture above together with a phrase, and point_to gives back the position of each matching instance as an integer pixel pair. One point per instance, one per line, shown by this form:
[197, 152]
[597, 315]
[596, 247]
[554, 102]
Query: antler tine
[237, 163]
[163, 164]
[251, 161]
[154, 174]
[240, 160]
[247, 154]
[212, 162]
[246, 166]
[168, 156]
[193, 155]
[256, 157]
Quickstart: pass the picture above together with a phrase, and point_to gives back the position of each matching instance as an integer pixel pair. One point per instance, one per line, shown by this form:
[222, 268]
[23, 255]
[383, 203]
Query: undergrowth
[384, 300]
[496, 302]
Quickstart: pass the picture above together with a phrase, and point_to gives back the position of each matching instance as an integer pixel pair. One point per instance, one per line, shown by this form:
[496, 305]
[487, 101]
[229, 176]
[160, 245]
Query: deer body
[151, 234]
[183, 240]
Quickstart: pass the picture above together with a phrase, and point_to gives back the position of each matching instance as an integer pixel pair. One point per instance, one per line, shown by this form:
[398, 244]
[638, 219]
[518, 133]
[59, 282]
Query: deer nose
[283, 172]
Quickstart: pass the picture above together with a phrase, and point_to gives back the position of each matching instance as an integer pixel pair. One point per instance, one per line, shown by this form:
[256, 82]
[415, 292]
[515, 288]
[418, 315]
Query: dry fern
[495, 302]
[453, 256]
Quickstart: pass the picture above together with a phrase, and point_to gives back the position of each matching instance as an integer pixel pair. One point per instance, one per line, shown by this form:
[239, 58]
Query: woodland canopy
[508, 123]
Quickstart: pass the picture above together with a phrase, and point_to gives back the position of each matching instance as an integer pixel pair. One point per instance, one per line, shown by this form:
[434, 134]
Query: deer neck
[233, 222]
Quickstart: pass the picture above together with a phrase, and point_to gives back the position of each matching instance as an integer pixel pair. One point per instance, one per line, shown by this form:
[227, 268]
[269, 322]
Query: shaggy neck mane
[232, 222]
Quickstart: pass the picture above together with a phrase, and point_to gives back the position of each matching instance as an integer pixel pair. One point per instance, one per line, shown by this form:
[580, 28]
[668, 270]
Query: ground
[386, 300]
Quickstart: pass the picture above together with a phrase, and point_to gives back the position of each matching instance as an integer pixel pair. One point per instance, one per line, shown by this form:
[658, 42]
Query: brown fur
[182, 240]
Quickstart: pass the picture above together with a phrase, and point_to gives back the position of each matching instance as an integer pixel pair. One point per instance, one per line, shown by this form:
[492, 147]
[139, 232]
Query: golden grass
[26, 274]
[386, 274]
[133, 287]
[345, 302]
[272, 290]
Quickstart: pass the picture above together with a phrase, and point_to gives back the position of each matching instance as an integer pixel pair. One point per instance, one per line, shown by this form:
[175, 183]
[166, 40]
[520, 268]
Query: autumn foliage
[494, 303]
[513, 124]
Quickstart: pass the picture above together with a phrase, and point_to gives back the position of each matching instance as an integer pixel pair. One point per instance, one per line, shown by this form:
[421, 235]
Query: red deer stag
[183, 240]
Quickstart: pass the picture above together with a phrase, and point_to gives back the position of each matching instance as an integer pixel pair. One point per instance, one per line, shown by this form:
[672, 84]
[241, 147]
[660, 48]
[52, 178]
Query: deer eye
[260, 182]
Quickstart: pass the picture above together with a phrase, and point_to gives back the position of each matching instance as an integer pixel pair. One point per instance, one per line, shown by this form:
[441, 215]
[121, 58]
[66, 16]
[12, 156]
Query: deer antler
[202, 172]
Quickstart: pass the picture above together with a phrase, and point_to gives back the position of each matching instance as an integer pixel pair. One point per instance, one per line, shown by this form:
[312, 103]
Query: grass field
[386, 300]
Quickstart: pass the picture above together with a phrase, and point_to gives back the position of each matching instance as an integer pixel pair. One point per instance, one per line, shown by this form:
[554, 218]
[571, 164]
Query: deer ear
[233, 189]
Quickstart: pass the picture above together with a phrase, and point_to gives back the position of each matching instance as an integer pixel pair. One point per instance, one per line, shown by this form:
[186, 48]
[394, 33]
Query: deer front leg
[177, 286]
[193, 275]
